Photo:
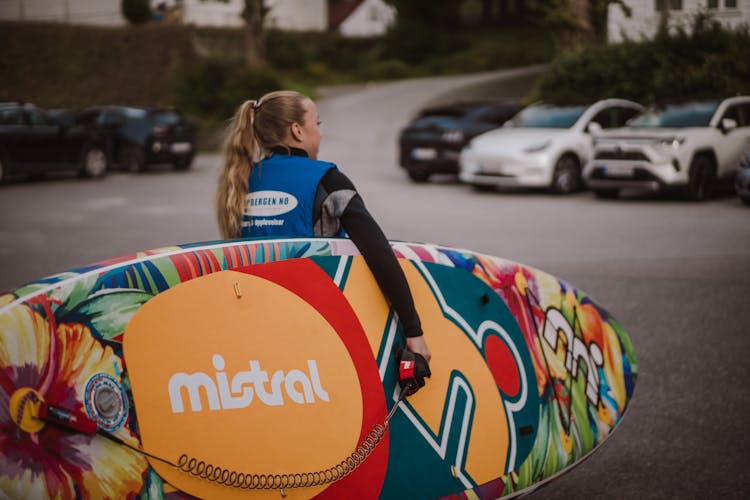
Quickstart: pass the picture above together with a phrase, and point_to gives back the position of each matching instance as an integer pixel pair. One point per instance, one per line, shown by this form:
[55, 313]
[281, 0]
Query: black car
[35, 141]
[432, 142]
[135, 137]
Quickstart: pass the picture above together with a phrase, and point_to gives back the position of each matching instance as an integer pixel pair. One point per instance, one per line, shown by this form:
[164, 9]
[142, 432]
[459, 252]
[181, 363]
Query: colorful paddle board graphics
[250, 368]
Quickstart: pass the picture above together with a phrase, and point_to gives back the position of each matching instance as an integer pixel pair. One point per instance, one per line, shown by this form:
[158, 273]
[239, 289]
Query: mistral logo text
[223, 394]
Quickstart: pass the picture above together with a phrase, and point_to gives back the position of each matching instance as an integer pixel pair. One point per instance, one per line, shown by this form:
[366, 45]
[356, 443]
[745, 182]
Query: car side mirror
[593, 128]
[728, 124]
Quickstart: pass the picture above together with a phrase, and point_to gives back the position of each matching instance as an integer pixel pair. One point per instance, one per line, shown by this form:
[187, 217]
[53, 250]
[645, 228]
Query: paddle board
[265, 368]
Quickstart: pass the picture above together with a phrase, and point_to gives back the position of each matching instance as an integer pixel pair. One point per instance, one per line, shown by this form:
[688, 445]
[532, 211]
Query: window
[547, 116]
[604, 118]
[733, 113]
[36, 117]
[728, 4]
[744, 113]
[659, 5]
[739, 113]
[622, 115]
[695, 114]
[111, 118]
[11, 117]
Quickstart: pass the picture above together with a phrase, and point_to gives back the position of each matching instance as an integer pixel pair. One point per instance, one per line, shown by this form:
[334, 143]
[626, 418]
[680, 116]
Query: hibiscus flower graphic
[55, 361]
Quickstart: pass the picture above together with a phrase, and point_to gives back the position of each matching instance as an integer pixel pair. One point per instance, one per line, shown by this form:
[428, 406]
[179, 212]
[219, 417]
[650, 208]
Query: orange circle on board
[241, 373]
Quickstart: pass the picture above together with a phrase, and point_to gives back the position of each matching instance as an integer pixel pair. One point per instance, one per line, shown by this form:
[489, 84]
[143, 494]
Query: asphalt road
[675, 274]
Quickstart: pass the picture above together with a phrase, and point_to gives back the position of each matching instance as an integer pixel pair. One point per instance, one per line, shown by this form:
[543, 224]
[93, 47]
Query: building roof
[339, 10]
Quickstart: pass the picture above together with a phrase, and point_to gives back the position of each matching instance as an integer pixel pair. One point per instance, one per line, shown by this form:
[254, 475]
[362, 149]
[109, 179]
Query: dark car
[432, 142]
[742, 181]
[35, 141]
[135, 137]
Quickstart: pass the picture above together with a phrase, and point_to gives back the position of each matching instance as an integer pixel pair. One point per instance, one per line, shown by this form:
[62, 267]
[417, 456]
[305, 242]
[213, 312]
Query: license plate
[423, 153]
[181, 147]
[618, 171]
[495, 169]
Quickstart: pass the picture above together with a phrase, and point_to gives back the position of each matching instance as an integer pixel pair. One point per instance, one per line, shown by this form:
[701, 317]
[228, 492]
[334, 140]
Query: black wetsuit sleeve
[372, 243]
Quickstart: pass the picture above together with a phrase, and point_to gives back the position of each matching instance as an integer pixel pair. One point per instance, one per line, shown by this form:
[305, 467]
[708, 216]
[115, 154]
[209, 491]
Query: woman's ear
[296, 130]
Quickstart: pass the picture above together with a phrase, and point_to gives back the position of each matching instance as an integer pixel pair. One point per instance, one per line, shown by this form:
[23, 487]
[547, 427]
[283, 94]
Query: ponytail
[240, 151]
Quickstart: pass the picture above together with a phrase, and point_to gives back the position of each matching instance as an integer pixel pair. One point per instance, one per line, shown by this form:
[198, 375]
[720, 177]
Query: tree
[253, 13]
[580, 20]
[136, 11]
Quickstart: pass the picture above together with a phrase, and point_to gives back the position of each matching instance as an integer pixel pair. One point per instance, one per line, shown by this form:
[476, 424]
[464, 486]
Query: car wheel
[745, 199]
[607, 194]
[134, 159]
[566, 178]
[702, 179]
[3, 172]
[94, 162]
[419, 173]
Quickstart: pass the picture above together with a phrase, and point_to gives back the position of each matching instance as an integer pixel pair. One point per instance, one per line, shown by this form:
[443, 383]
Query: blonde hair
[257, 127]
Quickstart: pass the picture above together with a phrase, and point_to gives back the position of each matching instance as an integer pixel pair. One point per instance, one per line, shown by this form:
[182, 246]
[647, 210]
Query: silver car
[686, 146]
[542, 146]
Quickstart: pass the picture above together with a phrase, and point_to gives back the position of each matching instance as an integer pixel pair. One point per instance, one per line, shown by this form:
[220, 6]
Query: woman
[273, 185]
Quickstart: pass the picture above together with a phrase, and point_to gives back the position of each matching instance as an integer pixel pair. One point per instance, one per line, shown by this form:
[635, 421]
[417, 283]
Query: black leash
[226, 477]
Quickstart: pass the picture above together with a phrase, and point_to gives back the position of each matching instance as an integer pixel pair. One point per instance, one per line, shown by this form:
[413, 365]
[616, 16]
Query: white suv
[687, 146]
[542, 146]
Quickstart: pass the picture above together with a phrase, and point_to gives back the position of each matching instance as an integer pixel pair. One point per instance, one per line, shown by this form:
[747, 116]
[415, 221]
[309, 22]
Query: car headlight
[673, 142]
[467, 161]
[537, 146]
[453, 136]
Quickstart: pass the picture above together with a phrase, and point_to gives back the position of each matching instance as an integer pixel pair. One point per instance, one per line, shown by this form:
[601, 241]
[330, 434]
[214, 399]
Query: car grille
[621, 155]
[639, 174]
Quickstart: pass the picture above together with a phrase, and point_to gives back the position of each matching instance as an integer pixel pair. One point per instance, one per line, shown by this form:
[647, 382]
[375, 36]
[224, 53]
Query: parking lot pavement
[675, 274]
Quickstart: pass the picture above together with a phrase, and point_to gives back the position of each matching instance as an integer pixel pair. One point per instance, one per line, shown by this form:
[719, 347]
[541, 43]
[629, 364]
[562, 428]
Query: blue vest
[281, 196]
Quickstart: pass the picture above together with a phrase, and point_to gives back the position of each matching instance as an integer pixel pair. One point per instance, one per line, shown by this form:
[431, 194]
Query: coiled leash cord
[226, 477]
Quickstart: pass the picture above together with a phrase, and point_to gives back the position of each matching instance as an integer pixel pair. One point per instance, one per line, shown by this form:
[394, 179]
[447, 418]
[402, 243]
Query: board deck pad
[276, 357]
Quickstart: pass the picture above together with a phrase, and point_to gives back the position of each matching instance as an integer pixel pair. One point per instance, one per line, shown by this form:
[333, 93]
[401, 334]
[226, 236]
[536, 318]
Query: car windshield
[695, 114]
[136, 113]
[546, 116]
[166, 117]
[437, 115]
[485, 113]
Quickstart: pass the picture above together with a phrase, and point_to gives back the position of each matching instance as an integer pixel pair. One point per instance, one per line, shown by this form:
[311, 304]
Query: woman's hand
[418, 345]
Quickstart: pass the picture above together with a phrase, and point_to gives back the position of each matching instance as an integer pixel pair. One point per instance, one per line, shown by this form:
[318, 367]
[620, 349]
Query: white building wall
[303, 15]
[212, 13]
[297, 15]
[97, 12]
[371, 18]
[644, 19]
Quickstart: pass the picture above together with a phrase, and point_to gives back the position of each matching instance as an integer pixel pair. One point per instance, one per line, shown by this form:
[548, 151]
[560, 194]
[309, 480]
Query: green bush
[215, 88]
[415, 42]
[287, 50]
[709, 61]
[389, 69]
[243, 85]
[317, 71]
